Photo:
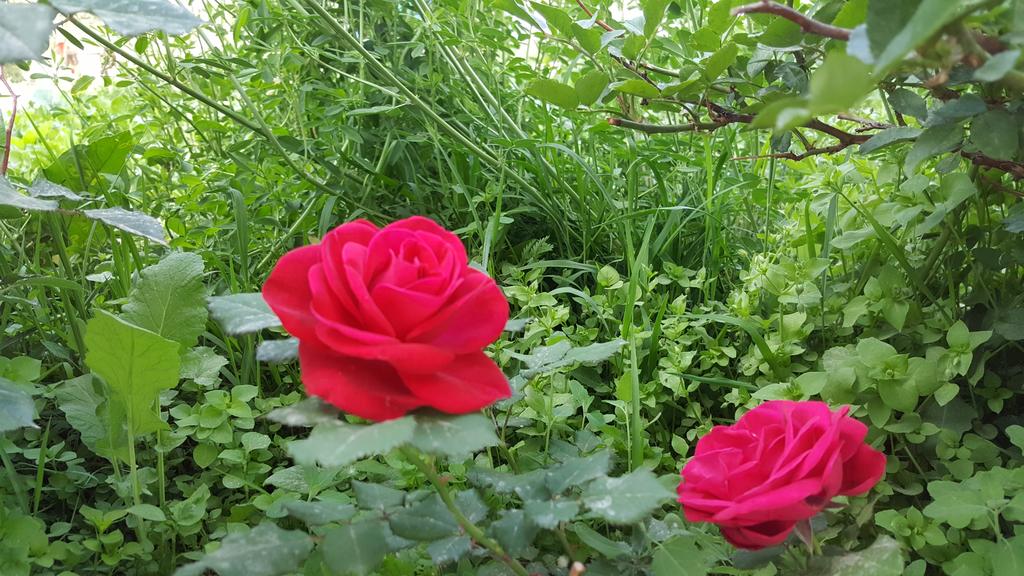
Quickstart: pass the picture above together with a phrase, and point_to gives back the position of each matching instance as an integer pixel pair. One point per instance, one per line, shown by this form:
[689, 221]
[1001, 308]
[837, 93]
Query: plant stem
[474, 531]
[12, 474]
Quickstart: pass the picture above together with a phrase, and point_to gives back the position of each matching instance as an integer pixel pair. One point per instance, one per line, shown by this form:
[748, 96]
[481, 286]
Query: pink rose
[391, 319]
[781, 463]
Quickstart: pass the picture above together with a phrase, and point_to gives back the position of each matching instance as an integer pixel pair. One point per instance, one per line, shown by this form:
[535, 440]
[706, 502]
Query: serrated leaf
[340, 444]
[626, 499]
[24, 31]
[679, 557]
[16, 407]
[554, 92]
[426, 520]
[242, 313]
[320, 512]
[202, 365]
[134, 223]
[134, 17]
[883, 558]
[550, 513]
[278, 351]
[448, 550]
[136, 364]
[575, 471]
[11, 197]
[308, 412]
[263, 551]
[169, 299]
[377, 496]
[43, 188]
[453, 435]
[514, 531]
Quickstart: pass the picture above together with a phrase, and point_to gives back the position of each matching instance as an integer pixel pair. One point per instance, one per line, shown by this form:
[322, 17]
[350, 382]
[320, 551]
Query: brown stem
[9, 133]
[794, 156]
[807, 24]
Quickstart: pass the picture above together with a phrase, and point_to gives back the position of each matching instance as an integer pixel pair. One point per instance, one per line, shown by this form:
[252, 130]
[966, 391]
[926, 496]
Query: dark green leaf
[514, 532]
[932, 142]
[134, 17]
[996, 133]
[134, 223]
[626, 499]
[278, 351]
[356, 548]
[340, 444]
[929, 17]
[679, 557]
[426, 520]
[608, 548]
[320, 512]
[575, 471]
[377, 496]
[550, 513]
[997, 67]
[962, 108]
[889, 136]
[909, 103]
[263, 551]
[11, 197]
[449, 435]
[308, 412]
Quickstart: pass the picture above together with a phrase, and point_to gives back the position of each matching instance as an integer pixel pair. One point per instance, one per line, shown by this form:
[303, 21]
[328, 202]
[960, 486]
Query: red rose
[391, 319]
[781, 463]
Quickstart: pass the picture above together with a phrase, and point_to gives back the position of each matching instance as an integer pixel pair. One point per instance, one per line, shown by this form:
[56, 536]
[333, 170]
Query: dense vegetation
[692, 206]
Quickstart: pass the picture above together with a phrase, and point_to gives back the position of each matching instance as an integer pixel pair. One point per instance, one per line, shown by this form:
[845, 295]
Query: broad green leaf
[654, 13]
[519, 11]
[136, 364]
[556, 18]
[781, 33]
[996, 133]
[514, 531]
[783, 114]
[340, 444]
[608, 548]
[883, 558]
[377, 496]
[590, 87]
[637, 87]
[278, 351]
[169, 299]
[550, 358]
[356, 548]
[1010, 324]
[550, 513]
[626, 499]
[266, 550]
[679, 557]
[24, 31]
[148, 512]
[889, 136]
[320, 512]
[909, 103]
[932, 142]
[719, 15]
[134, 17]
[134, 223]
[448, 435]
[589, 38]
[1008, 557]
[202, 365]
[11, 197]
[86, 164]
[997, 67]
[84, 403]
[851, 14]
[955, 504]
[953, 111]
[242, 313]
[16, 407]
[448, 550]
[426, 520]
[308, 412]
[719, 62]
[43, 188]
[929, 17]
[577, 470]
[839, 83]
[554, 92]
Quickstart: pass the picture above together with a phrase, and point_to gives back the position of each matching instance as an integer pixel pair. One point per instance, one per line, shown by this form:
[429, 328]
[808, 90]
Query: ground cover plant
[512, 287]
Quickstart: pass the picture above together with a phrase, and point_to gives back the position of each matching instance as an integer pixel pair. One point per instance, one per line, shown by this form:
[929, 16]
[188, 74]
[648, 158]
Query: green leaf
[242, 313]
[278, 351]
[719, 62]
[608, 548]
[85, 407]
[134, 17]
[997, 66]
[654, 13]
[783, 114]
[377, 496]
[24, 31]
[16, 407]
[955, 111]
[906, 102]
[588, 37]
[781, 33]
[554, 92]
[637, 87]
[516, 9]
[320, 512]
[679, 557]
[308, 412]
[932, 142]
[1008, 557]
[424, 521]
[555, 17]
[839, 83]
[448, 550]
[626, 499]
[11, 197]
[955, 504]
[85, 164]
[514, 532]
[561, 354]
[590, 87]
[136, 364]
[169, 299]
[134, 223]
[1010, 324]
[883, 558]
[43, 188]
[340, 444]
[550, 513]
[577, 470]
[873, 352]
[996, 134]
[929, 17]
[266, 550]
[148, 512]
[889, 136]
[449, 435]
[202, 365]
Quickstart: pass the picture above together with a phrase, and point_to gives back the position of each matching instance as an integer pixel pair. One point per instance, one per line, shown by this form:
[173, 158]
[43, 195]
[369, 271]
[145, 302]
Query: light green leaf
[242, 313]
[16, 407]
[202, 365]
[169, 299]
[85, 404]
[307, 412]
[608, 548]
[889, 136]
[555, 17]
[719, 62]
[24, 31]
[320, 513]
[637, 87]
[883, 558]
[626, 499]
[590, 87]
[43, 188]
[134, 223]
[997, 66]
[1008, 557]
[550, 513]
[781, 33]
[134, 17]
[929, 18]
[783, 114]
[654, 13]
[554, 92]
[263, 551]
[148, 512]
[679, 557]
[136, 364]
[955, 504]
[839, 83]
[340, 444]
[448, 435]
[11, 197]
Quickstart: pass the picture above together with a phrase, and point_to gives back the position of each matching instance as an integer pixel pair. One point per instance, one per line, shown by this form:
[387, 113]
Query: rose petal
[470, 382]
[862, 471]
[353, 258]
[287, 290]
[366, 388]
[760, 536]
[358, 232]
[473, 318]
[429, 227]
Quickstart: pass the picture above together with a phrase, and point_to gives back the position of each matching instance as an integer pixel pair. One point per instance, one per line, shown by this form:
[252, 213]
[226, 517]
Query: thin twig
[9, 133]
[807, 24]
